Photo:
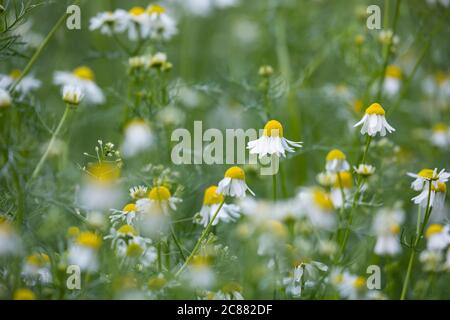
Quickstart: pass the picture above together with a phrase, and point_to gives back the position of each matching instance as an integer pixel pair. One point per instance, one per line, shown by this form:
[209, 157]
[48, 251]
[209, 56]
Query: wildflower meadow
[224, 149]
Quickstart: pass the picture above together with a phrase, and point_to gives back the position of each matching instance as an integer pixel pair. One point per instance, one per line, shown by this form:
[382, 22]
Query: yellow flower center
[235, 173]
[84, 73]
[212, 197]
[24, 294]
[375, 108]
[127, 229]
[339, 278]
[38, 259]
[89, 239]
[156, 283]
[335, 154]
[426, 173]
[156, 9]
[394, 71]
[134, 250]
[136, 11]
[440, 77]
[129, 208]
[200, 261]
[395, 229]
[15, 74]
[73, 232]
[159, 194]
[104, 172]
[440, 128]
[346, 180]
[441, 187]
[273, 128]
[434, 229]
[323, 200]
[359, 283]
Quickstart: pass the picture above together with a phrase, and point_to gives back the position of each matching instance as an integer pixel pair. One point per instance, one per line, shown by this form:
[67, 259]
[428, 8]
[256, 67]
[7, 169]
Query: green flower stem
[50, 144]
[159, 259]
[341, 188]
[274, 187]
[355, 199]
[200, 240]
[419, 235]
[39, 50]
[177, 243]
[283, 182]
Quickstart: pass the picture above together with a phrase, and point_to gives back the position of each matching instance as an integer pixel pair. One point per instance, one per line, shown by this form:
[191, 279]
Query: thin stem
[39, 50]
[200, 240]
[283, 182]
[50, 144]
[274, 187]
[177, 243]
[341, 188]
[159, 260]
[419, 236]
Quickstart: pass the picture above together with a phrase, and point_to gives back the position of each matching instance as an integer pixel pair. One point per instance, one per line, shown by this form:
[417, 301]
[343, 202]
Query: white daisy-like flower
[365, 170]
[108, 22]
[138, 137]
[139, 62]
[440, 135]
[336, 161]
[438, 237]
[272, 141]
[437, 196]
[9, 240]
[72, 95]
[211, 202]
[343, 184]
[84, 251]
[392, 80]
[386, 226]
[388, 37]
[157, 198]
[37, 268]
[125, 231]
[5, 99]
[162, 26]
[138, 192]
[200, 274]
[432, 260]
[349, 286]
[82, 77]
[128, 215]
[25, 86]
[374, 121]
[428, 175]
[136, 21]
[233, 184]
[307, 270]
[319, 207]
[326, 179]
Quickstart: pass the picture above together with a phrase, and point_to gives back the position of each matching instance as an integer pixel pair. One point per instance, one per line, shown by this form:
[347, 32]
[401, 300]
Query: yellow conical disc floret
[359, 283]
[440, 127]
[73, 232]
[322, 200]
[394, 229]
[89, 239]
[156, 9]
[393, 71]
[441, 187]
[212, 197]
[104, 172]
[335, 154]
[346, 180]
[15, 74]
[38, 259]
[433, 229]
[24, 294]
[159, 194]
[84, 73]
[127, 229]
[134, 250]
[426, 173]
[235, 173]
[273, 128]
[375, 108]
[136, 11]
[129, 208]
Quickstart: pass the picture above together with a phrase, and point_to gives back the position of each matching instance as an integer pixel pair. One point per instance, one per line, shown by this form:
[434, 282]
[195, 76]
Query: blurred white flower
[233, 184]
[5, 99]
[84, 251]
[37, 268]
[25, 86]
[438, 237]
[211, 202]
[386, 226]
[138, 137]
[10, 243]
[392, 80]
[72, 94]
[336, 161]
[319, 207]
[82, 77]
[440, 136]
[374, 121]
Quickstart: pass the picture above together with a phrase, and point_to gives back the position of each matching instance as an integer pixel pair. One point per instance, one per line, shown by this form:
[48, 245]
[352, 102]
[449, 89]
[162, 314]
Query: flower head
[374, 121]
[5, 99]
[211, 203]
[233, 184]
[72, 95]
[336, 161]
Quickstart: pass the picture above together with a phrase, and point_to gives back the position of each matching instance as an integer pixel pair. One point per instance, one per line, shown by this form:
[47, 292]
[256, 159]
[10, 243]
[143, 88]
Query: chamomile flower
[432, 260]
[436, 195]
[162, 26]
[386, 226]
[136, 22]
[128, 214]
[440, 135]
[233, 184]
[5, 99]
[365, 170]
[374, 121]
[28, 84]
[108, 22]
[326, 179]
[157, 60]
[138, 137]
[82, 77]
[319, 207]
[272, 141]
[37, 268]
[159, 197]
[72, 95]
[9, 240]
[343, 183]
[392, 80]
[303, 272]
[438, 237]
[84, 251]
[336, 161]
[428, 175]
[200, 274]
[211, 202]
[138, 192]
